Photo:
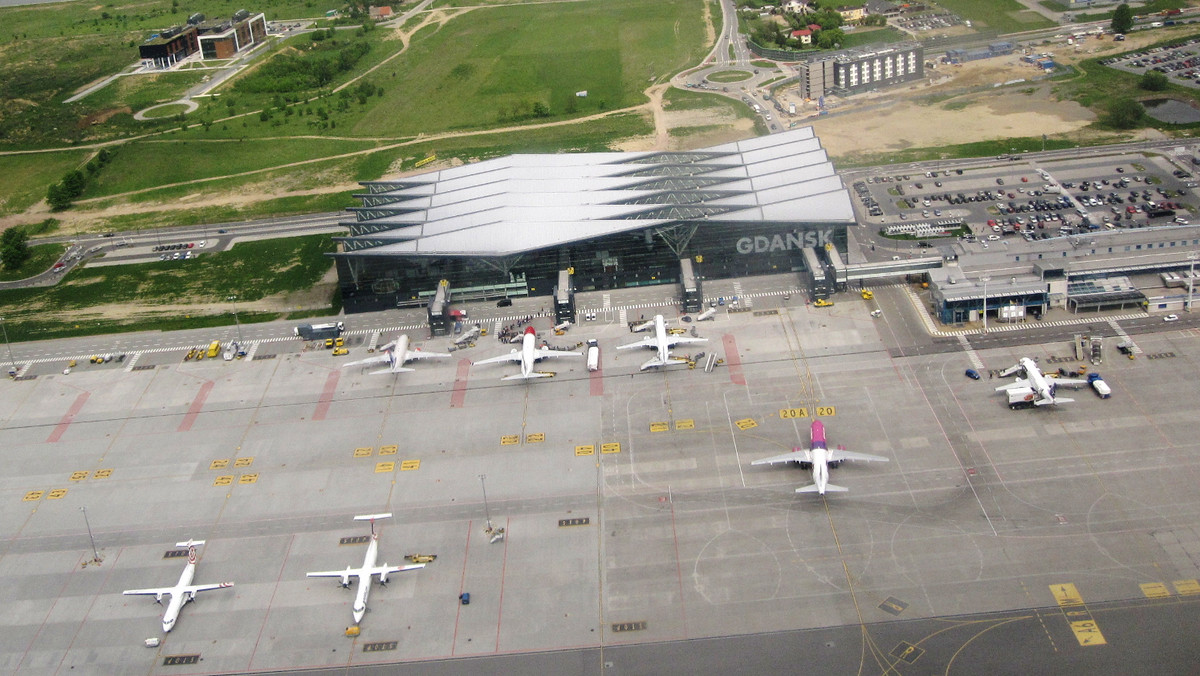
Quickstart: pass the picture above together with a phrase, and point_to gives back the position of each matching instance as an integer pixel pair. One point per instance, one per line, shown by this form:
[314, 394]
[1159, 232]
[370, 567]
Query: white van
[593, 355]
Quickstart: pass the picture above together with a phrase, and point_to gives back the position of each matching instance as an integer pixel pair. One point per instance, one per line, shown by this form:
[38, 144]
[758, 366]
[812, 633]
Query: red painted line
[196, 407]
[49, 611]
[462, 585]
[503, 568]
[250, 663]
[326, 395]
[679, 571]
[459, 393]
[596, 382]
[61, 428]
[86, 613]
[732, 360]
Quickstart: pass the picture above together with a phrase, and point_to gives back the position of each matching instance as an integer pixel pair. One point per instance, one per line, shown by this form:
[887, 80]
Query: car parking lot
[1034, 200]
[1181, 63]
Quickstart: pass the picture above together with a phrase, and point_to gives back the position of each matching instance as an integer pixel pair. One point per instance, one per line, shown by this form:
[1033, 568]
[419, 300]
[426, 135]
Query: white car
[993, 238]
[1171, 318]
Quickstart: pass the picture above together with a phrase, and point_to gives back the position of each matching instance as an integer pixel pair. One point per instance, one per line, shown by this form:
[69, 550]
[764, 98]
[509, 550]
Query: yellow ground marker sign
[56, 494]
[1155, 590]
[686, 424]
[1077, 614]
[1187, 587]
[826, 412]
[410, 465]
[33, 496]
[79, 476]
[224, 480]
[793, 413]
[244, 462]
[660, 426]
[535, 438]
[510, 439]
[364, 451]
[220, 463]
[389, 450]
[102, 473]
[382, 467]
[745, 423]
[611, 447]
[589, 449]
[248, 478]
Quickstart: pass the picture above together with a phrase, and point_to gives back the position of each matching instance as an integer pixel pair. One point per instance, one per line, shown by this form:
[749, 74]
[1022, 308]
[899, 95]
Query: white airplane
[367, 570]
[529, 355]
[467, 335]
[660, 341]
[183, 591]
[1035, 389]
[820, 459]
[396, 354]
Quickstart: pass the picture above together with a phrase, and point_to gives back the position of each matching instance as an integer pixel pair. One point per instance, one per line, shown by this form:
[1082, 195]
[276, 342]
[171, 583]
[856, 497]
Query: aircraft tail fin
[811, 488]
[190, 543]
[372, 517]
[1056, 400]
[829, 488]
[384, 372]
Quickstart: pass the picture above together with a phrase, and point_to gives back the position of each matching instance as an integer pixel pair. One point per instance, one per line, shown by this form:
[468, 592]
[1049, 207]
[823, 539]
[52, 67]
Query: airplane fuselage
[528, 351]
[660, 336]
[364, 581]
[178, 596]
[1037, 379]
[819, 452]
[399, 351]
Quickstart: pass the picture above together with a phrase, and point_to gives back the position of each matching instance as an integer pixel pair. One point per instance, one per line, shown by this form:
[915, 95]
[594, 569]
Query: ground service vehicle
[319, 331]
[1102, 389]
[214, 348]
[593, 356]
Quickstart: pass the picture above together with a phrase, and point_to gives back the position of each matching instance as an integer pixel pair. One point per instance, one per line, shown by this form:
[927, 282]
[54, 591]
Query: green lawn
[26, 177]
[1006, 16]
[41, 257]
[251, 271]
[490, 66]
[872, 36]
[141, 91]
[729, 76]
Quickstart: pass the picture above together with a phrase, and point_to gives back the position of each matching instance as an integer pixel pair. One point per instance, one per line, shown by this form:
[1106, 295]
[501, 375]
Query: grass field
[26, 177]
[729, 76]
[41, 257]
[141, 91]
[251, 271]
[1006, 16]
[864, 36]
[491, 66]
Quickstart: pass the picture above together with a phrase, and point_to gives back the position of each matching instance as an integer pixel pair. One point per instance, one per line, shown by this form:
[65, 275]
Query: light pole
[985, 281]
[486, 512]
[239, 326]
[8, 345]
[1191, 283]
[95, 554]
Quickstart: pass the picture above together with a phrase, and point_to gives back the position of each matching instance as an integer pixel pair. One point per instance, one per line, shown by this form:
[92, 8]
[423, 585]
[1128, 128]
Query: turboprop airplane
[183, 591]
[1035, 389]
[396, 354]
[367, 570]
[528, 355]
[820, 459]
[662, 342]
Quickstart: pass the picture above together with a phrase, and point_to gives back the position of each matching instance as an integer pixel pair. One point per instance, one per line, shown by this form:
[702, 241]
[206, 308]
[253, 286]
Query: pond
[1171, 111]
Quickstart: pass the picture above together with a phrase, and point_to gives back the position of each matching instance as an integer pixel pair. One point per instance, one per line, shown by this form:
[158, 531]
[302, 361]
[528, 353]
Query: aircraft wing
[837, 455]
[206, 587]
[796, 455]
[648, 341]
[387, 570]
[542, 353]
[683, 340]
[336, 573]
[1018, 383]
[644, 325]
[370, 361]
[421, 354]
[655, 362]
[511, 356]
[147, 592]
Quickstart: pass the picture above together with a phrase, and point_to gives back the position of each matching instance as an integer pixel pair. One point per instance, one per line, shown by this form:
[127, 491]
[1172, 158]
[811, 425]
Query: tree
[1153, 81]
[540, 109]
[1125, 113]
[1122, 19]
[14, 248]
[57, 197]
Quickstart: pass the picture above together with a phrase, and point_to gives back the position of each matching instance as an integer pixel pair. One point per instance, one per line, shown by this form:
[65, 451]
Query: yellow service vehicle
[328, 343]
[339, 351]
[214, 348]
[338, 342]
[867, 294]
[821, 302]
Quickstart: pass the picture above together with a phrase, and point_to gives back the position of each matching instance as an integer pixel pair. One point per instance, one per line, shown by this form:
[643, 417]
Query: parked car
[972, 374]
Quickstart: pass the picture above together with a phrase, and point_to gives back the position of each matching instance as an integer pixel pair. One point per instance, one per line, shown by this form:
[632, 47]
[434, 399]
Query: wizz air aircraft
[368, 569]
[661, 342]
[820, 459]
[396, 354]
[529, 355]
[183, 591]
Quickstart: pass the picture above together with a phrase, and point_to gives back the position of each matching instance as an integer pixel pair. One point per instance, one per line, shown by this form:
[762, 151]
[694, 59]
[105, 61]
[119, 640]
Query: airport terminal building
[507, 227]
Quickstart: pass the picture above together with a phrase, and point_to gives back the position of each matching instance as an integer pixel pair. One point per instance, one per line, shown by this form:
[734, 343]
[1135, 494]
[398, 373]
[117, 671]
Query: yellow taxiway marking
[660, 426]
[611, 447]
[535, 437]
[102, 473]
[745, 423]
[220, 463]
[33, 496]
[589, 449]
[79, 476]
[389, 450]
[685, 424]
[248, 478]
[510, 439]
[244, 462]
[1187, 587]
[826, 412]
[410, 465]
[793, 413]
[382, 467]
[1155, 590]
[1077, 614]
[364, 451]
[223, 480]
[56, 494]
